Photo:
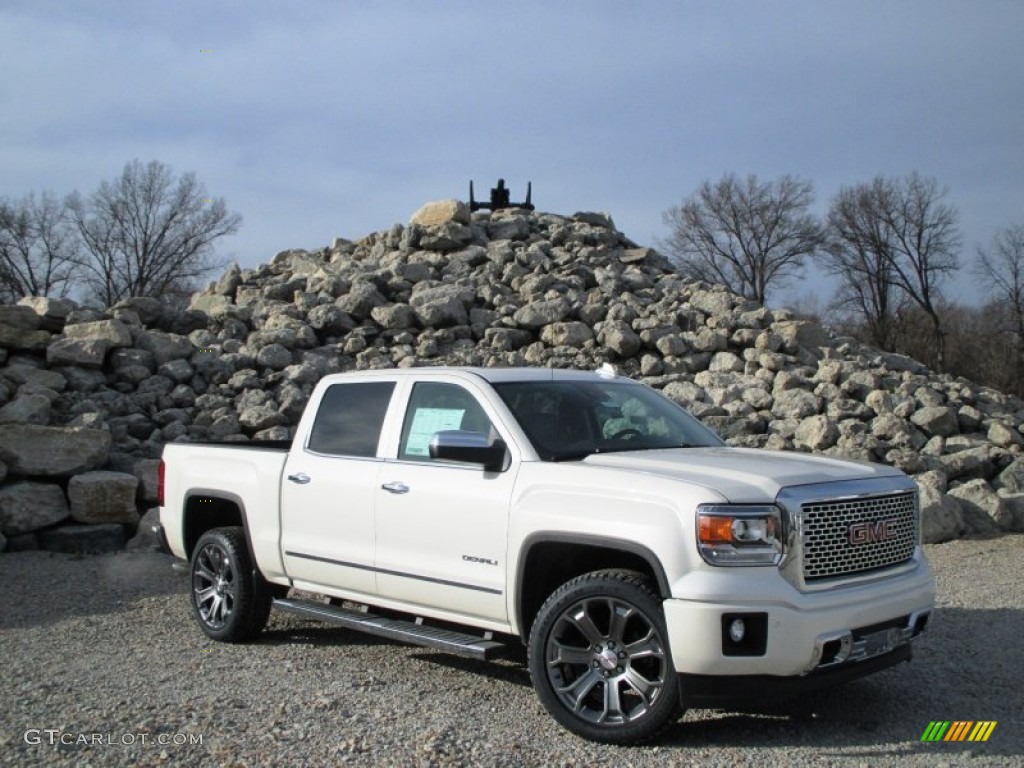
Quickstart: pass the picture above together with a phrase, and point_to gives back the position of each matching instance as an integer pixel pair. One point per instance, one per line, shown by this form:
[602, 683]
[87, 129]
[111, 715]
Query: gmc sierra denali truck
[645, 566]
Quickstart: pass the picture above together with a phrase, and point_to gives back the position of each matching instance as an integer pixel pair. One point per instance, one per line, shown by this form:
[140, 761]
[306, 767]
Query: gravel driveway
[101, 652]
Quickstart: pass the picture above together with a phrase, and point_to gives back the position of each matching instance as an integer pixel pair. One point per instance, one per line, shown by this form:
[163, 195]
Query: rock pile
[89, 398]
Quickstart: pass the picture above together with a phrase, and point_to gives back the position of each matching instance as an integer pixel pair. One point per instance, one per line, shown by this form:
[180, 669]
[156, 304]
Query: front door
[442, 526]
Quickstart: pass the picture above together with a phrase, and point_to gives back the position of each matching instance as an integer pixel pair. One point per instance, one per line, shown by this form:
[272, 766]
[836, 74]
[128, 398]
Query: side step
[474, 646]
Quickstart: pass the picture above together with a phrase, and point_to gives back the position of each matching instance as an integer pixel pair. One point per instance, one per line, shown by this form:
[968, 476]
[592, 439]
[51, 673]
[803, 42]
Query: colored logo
[872, 533]
[958, 730]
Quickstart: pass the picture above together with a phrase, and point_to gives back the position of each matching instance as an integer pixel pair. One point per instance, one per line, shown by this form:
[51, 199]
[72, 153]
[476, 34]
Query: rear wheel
[600, 661]
[230, 599]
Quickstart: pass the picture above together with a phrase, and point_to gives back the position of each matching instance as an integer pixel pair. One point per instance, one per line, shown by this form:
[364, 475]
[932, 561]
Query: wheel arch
[208, 508]
[548, 559]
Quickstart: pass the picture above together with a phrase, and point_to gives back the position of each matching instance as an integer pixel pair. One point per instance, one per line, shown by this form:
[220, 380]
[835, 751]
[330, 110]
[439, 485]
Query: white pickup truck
[645, 566]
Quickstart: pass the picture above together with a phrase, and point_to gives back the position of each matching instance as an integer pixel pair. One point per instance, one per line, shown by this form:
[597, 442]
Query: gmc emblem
[871, 533]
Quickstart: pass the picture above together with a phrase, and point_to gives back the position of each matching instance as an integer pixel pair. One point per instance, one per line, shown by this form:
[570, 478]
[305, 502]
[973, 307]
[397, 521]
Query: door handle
[395, 487]
[301, 478]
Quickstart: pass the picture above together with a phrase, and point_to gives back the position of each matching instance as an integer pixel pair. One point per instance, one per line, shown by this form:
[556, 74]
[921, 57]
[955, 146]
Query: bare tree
[906, 230]
[146, 233]
[1001, 268]
[38, 248]
[859, 253]
[749, 235]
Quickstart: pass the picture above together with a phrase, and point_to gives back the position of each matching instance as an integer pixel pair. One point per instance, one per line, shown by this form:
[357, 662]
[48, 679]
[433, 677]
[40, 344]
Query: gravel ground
[102, 650]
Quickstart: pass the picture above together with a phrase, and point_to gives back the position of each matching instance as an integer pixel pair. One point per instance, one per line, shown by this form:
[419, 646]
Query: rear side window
[350, 417]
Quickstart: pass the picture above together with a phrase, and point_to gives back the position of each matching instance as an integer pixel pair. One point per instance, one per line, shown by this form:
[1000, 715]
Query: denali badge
[872, 533]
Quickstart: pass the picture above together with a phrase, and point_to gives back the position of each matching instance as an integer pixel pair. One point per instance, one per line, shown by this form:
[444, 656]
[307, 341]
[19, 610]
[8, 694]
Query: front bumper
[806, 633]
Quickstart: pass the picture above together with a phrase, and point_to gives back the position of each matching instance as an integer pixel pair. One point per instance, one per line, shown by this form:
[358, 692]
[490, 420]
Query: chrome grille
[843, 538]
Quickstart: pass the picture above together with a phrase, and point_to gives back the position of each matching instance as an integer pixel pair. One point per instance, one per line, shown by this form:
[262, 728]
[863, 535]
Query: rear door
[330, 486]
[442, 526]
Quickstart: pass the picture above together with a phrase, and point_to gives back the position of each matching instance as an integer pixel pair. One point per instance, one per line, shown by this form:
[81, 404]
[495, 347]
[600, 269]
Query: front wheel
[600, 661]
[230, 599]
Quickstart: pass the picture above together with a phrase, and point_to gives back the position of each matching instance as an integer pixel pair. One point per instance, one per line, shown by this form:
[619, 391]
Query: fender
[608, 542]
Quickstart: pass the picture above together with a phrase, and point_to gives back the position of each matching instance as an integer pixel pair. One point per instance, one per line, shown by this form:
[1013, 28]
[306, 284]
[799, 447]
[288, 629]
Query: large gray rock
[816, 434]
[103, 497]
[52, 312]
[942, 519]
[149, 310]
[620, 338]
[439, 306]
[28, 506]
[147, 473]
[441, 212]
[19, 318]
[399, 316]
[164, 347]
[983, 508]
[39, 377]
[261, 417]
[540, 313]
[38, 451]
[113, 332]
[566, 334]
[144, 539]
[973, 463]
[795, 404]
[83, 539]
[27, 409]
[89, 353]
[1011, 479]
[936, 420]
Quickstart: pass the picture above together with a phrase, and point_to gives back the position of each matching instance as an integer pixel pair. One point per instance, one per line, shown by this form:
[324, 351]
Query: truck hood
[741, 475]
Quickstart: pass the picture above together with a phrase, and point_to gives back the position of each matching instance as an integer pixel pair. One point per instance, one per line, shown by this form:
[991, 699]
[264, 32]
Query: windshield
[568, 420]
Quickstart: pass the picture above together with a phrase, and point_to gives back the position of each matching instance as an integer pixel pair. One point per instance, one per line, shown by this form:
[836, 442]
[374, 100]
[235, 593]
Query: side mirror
[468, 447]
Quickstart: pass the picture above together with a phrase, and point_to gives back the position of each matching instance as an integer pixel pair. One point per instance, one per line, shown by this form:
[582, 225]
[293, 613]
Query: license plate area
[878, 642]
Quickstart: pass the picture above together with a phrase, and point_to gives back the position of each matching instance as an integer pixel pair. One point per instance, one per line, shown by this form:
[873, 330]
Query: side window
[435, 407]
[349, 419]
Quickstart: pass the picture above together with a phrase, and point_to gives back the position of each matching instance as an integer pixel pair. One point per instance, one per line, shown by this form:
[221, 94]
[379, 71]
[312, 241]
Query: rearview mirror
[468, 447]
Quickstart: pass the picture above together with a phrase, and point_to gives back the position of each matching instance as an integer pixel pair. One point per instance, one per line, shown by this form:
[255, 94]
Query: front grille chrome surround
[829, 549]
[885, 541]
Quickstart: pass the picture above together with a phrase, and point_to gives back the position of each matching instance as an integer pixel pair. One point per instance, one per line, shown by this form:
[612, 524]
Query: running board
[474, 646]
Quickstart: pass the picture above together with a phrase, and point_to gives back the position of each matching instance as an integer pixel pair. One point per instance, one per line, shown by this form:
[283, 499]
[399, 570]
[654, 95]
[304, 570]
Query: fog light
[737, 629]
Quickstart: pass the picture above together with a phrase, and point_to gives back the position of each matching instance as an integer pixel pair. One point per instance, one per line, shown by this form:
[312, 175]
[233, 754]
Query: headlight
[739, 535]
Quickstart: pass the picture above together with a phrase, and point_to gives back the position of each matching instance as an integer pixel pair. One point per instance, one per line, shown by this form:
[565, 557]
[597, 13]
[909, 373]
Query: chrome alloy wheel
[214, 585]
[606, 661]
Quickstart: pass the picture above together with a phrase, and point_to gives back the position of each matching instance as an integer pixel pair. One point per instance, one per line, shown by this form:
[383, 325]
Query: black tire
[600, 661]
[230, 599]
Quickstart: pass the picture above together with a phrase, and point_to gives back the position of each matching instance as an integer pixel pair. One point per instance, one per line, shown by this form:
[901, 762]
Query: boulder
[1011, 479]
[18, 338]
[145, 539]
[39, 451]
[439, 306]
[113, 332]
[26, 409]
[19, 317]
[164, 347]
[84, 539]
[936, 420]
[537, 314]
[52, 313]
[40, 377]
[942, 518]
[984, 510]
[619, 337]
[103, 497]
[1003, 435]
[89, 353]
[441, 212]
[28, 506]
[566, 334]
[816, 434]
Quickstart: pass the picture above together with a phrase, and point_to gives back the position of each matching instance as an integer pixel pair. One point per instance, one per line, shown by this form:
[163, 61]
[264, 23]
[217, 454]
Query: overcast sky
[315, 119]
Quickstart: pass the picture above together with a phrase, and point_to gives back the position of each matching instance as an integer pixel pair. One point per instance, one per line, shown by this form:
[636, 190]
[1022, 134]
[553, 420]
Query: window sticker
[425, 423]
